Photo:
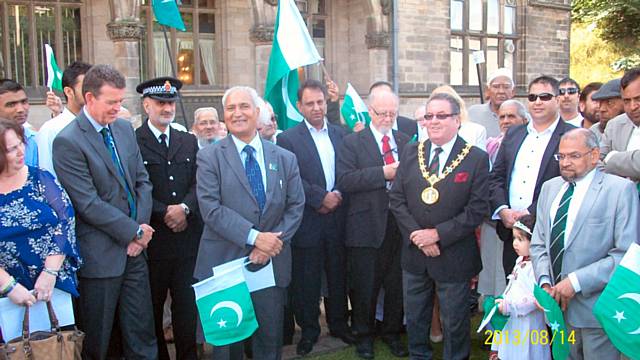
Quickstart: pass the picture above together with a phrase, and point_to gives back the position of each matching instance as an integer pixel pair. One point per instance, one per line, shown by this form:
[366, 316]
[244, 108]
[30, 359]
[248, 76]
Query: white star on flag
[222, 323]
[554, 326]
[619, 316]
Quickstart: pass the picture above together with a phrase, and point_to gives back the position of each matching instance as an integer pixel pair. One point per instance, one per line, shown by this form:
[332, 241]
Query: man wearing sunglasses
[525, 161]
[620, 146]
[569, 99]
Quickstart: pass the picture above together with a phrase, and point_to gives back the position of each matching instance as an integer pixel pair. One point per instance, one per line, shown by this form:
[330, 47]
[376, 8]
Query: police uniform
[171, 164]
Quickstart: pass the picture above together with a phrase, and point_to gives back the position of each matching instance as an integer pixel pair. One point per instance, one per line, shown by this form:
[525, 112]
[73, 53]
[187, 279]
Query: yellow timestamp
[533, 337]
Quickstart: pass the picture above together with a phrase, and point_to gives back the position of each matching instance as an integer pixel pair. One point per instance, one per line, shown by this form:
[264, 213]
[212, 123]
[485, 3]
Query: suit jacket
[298, 140]
[173, 175]
[500, 177]
[459, 211]
[229, 209]
[407, 126]
[87, 172]
[360, 175]
[616, 138]
[605, 226]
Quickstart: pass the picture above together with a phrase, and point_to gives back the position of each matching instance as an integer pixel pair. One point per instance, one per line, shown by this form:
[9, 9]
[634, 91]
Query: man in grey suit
[620, 147]
[574, 248]
[251, 200]
[98, 162]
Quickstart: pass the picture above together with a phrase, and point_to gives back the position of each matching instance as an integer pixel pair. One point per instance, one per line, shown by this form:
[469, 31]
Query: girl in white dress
[525, 335]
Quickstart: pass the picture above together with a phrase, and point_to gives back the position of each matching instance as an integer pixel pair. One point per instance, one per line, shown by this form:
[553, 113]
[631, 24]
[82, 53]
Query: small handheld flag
[353, 108]
[54, 74]
[555, 320]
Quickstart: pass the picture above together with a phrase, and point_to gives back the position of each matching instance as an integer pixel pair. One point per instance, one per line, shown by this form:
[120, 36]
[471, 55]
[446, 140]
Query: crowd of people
[392, 226]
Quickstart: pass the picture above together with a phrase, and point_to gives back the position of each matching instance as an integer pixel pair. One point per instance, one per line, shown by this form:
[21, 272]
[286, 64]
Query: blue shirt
[31, 148]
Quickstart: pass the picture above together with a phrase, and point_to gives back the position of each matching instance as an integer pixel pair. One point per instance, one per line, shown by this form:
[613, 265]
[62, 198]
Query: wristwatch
[139, 233]
[186, 209]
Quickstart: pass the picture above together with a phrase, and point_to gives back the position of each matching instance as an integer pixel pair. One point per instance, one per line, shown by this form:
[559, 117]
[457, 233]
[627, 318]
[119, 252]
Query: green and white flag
[618, 308]
[560, 339]
[354, 109]
[292, 48]
[492, 314]
[225, 307]
[54, 74]
[168, 14]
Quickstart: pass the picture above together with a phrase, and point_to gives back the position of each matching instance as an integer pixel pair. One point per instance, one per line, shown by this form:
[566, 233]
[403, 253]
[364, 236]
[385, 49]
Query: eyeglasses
[542, 96]
[386, 114]
[572, 156]
[570, 91]
[430, 117]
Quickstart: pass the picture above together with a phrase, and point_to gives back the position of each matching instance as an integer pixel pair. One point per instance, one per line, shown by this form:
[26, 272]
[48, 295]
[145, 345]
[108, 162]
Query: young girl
[525, 335]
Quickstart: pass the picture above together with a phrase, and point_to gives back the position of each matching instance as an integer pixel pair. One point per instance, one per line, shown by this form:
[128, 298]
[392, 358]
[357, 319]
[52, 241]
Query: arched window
[488, 25]
[194, 50]
[25, 26]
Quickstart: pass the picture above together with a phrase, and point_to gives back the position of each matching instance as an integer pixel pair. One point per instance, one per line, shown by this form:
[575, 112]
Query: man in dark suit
[366, 168]
[99, 164]
[438, 208]
[403, 124]
[318, 245]
[170, 158]
[525, 161]
[251, 200]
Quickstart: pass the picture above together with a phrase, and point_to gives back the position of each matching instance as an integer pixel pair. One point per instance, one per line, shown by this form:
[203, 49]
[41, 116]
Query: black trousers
[266, 342]
[509, 255]
[176, 276]
[307, 266]
[129, 298]
[370, 270]
[454, 312]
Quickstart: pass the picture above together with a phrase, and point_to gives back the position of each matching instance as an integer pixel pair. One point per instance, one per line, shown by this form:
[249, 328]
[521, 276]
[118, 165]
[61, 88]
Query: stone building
[228, 42]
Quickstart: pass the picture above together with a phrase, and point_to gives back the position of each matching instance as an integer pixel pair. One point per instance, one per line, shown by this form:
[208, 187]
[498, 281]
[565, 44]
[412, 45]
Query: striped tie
[557, 232]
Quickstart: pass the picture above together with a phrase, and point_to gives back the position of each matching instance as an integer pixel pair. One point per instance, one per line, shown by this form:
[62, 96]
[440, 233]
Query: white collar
[446, 148]
[550, 129]
[156, 132]
[312, 128]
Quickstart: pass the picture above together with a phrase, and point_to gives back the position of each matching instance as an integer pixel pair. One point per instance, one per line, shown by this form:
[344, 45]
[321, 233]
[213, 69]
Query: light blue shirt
[31, 148]
[256, 143]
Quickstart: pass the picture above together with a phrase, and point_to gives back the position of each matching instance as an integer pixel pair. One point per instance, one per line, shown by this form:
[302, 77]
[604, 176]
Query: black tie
[163, 142]
[434, 167]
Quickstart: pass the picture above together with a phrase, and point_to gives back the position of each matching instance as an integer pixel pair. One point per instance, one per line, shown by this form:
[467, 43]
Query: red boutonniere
[461, 177]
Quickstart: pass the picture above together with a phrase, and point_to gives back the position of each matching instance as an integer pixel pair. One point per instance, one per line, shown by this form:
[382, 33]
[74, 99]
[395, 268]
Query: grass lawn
[382, 352]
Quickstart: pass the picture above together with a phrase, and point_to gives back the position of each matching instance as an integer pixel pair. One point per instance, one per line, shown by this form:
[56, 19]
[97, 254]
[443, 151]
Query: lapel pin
[273, 166]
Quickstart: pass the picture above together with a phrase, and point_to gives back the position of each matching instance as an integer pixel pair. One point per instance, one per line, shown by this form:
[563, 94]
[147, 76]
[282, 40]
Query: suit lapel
[97, 142]
[235, 163]
[455, 150]
[175, 143]
[371, 146]
[625, 133]
[552, 147]
[519, 139]
[308, 142]
[399, 142]
[589, 200]
[271, 169]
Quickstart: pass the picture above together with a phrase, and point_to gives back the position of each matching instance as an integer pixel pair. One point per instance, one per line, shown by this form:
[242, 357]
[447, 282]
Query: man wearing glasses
[366, 168]
[574, 249]
[569, 100]
[525, 161]
[438, 199]
[500, 88]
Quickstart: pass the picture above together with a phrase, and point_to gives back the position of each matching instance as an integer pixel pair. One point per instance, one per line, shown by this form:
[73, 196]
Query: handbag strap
[53, 319]
[25, 324]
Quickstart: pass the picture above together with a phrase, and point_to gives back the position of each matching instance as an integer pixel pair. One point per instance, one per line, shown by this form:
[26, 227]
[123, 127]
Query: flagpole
[173, 70]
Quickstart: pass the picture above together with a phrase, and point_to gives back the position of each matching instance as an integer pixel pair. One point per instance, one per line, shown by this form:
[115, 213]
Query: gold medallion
[430, 195]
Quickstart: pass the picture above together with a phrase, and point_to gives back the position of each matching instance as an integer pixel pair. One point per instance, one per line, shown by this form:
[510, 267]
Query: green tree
[618, 20]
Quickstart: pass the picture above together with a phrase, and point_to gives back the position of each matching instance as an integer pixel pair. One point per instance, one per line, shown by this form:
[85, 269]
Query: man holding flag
[573, 248]
[251, 200]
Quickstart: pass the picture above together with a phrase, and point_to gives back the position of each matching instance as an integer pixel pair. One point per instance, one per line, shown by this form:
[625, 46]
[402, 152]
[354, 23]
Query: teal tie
[557, 232]
[111, 146]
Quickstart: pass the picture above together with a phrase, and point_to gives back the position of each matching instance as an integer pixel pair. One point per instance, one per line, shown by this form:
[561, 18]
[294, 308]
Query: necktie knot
[163, 140]
[105, 132]
[437, 151]
[385, 139]
[249, 150]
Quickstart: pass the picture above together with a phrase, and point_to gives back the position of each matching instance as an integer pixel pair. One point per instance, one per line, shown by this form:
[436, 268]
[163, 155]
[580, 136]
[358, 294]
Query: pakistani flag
[618, 308]
[167, 13]
[292, 48]
[225, 308]
[353, 108]
[54, 74]
[559, 336]
[492, 314]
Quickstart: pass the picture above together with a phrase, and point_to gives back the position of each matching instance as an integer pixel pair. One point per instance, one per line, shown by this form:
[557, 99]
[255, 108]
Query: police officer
[170, 158]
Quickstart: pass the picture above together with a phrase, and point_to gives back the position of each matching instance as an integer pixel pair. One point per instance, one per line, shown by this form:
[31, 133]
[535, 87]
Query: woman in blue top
[37, 227]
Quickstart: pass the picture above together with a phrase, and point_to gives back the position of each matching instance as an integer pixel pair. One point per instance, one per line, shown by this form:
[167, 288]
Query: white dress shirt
[46, 135]
[325, 151]
[444, 154]
[392, 142]
[576, 121]
[579, 192]
[634, 139]
[156, 132]
[256, 143]
[527, 166]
